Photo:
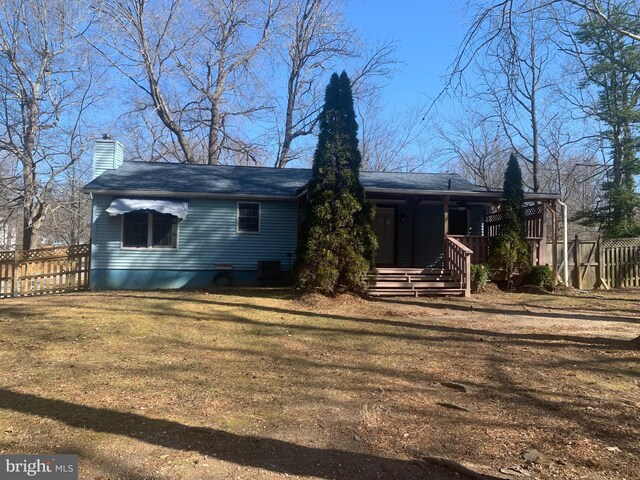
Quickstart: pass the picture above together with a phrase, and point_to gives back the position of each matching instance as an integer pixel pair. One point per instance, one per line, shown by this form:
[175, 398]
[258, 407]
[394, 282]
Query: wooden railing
[44, 270]
[477, 243]
[457, 258]
[480, 246]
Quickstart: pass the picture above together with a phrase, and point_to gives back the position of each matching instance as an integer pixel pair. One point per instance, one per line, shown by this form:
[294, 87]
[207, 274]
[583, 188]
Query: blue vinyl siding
[205, 238]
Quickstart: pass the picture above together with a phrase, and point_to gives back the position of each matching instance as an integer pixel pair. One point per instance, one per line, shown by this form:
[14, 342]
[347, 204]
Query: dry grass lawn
[256, 384]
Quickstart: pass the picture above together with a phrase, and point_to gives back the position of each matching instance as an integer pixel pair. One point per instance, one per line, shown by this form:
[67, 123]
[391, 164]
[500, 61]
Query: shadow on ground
[266, 453]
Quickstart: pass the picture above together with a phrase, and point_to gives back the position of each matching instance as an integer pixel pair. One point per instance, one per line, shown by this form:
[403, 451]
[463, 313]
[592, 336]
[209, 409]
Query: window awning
[178, 208]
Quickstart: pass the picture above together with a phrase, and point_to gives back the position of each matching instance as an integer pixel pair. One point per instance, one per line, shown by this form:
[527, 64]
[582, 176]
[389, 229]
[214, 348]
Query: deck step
[431, 278]
[414, 278]
[392, 293]
[440, 291]
[393, 285]
[411, 271]
[417, 285]
[415, 293]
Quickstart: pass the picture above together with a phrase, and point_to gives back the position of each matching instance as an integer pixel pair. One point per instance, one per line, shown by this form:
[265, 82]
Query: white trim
[238, 217]
[149, 246]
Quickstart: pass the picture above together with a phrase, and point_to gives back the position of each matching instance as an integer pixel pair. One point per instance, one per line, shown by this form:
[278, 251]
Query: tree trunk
[288, 124]
[214, 147]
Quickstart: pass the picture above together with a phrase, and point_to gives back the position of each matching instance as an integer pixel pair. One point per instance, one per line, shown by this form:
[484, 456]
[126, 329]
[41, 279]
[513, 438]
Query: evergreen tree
[509, 251]
[337, 244]
[612, 63]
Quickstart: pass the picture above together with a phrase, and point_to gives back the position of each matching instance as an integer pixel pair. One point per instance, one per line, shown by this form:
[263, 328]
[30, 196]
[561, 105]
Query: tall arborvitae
[337, 244]
[509, 251]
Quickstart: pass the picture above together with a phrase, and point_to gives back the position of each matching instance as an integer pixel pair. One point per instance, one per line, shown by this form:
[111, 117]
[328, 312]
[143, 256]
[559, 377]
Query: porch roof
[489, 196]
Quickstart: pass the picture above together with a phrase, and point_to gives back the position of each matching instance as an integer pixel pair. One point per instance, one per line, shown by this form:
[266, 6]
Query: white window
[248, 217]
[149, 230]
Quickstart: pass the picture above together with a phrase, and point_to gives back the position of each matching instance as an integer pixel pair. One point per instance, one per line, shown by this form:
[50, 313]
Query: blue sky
[428, 33]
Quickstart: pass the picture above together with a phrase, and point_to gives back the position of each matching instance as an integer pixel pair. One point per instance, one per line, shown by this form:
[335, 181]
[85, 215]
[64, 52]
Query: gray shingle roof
[145, 177]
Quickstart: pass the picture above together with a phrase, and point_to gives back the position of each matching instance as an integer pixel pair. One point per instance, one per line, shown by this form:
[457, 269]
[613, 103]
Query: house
[168, 225]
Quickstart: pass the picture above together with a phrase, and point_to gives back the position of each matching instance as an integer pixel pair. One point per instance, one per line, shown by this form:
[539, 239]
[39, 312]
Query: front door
[385, 228]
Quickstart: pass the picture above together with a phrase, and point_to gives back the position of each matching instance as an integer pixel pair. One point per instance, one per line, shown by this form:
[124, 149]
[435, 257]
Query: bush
[540, 276]
[509, 252]
[479, 277]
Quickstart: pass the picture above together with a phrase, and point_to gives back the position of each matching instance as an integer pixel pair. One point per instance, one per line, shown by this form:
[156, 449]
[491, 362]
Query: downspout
[565, 249]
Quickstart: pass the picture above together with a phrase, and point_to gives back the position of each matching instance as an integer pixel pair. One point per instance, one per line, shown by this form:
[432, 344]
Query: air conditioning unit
[268, 271]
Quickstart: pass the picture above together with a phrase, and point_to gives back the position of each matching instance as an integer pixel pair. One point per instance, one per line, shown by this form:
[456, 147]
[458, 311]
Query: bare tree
[315, 37]
[140, 41]
[70, 209]
[499, 18]
[517, 76]
[192, 62]
[392, 142]
[45, 82]
[9, 201]
[233, 33]
[475, 148]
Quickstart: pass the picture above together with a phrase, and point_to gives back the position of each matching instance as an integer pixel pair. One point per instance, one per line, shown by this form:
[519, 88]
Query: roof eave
[432, 192]
[492, 194]
[170, 193]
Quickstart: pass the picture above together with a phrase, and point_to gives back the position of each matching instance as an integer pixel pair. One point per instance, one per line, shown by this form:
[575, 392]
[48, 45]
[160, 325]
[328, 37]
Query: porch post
[413, 202]
[543, 234]
[554, 238]
[445, 204]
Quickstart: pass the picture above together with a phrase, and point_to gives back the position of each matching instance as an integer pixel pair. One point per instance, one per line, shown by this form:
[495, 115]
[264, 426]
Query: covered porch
[427, 242]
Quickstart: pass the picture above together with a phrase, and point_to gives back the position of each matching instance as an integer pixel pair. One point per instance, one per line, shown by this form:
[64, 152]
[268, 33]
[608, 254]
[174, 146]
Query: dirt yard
[257, 384]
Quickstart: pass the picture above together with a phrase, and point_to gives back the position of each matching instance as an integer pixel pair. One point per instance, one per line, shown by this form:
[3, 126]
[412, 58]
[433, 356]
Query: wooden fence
[613, 263]
[44, 270]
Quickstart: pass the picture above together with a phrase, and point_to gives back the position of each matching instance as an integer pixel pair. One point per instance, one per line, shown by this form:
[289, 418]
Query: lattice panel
[533, 214]
[7, 256]
[80, 249]
[621, 242]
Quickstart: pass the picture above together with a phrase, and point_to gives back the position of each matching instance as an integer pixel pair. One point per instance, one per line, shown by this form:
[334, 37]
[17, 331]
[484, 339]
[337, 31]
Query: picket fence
[44, 270]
